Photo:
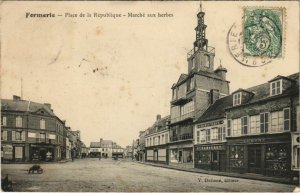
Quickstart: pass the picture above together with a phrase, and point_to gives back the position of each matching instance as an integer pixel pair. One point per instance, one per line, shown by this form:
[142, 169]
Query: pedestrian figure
[99, 156]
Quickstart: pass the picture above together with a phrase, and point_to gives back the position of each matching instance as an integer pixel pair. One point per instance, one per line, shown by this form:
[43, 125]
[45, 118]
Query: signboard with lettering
[210, 147]
[210, 124]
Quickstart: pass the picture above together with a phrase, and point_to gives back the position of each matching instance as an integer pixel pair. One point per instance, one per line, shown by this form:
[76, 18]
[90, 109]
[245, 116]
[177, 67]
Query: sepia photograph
[150, 96]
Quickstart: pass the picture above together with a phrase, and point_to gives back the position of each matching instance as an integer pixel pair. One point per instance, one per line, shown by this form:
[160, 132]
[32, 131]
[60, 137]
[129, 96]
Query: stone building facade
[30, 131]
[192, 94]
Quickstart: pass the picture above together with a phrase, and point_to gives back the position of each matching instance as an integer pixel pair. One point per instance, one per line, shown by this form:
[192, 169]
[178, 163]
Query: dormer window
[276, 87]
[237, 98]
[42, 124]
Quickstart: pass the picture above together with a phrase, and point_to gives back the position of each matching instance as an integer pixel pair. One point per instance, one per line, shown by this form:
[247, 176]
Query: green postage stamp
[263, 32]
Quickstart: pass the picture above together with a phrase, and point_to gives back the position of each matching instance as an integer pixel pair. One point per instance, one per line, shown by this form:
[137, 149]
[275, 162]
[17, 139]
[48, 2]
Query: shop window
[244, 122]
[276, 159]
[18, 121]
[204, 157]
[3, 121]
[173, 155]
[276, 87]
[264, 122]
[296, 157]
[228, 127]
[236, 156]
[237, 98]
[42, 124]
[286, 119]
[3, 135]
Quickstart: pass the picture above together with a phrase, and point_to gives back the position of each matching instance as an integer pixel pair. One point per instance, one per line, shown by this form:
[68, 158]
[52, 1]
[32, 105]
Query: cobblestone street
[92, 175]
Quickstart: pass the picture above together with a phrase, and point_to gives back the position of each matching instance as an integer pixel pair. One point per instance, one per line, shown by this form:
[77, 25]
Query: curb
[194, 170]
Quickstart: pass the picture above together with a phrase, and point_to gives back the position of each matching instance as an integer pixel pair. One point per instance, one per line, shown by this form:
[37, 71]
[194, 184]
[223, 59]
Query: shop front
[181, 155]
[6, 152]
[43, 153]
[211, 157]
[157, 154]
[269, 155]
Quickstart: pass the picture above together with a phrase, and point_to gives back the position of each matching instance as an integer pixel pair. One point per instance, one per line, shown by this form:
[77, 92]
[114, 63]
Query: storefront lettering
[257, 140]
[214, 147]
[210, 124]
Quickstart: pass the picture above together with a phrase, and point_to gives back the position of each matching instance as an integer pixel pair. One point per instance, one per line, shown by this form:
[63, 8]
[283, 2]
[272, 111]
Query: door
[214, 161]
[222, 159]
[254, 159]
[180, 156]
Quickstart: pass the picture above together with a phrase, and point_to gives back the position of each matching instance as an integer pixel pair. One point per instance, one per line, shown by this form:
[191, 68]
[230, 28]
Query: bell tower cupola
[201, 57]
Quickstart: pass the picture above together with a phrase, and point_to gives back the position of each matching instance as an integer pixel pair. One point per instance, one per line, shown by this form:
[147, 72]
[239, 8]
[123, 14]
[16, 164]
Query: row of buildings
[31, 132]
[251, 130]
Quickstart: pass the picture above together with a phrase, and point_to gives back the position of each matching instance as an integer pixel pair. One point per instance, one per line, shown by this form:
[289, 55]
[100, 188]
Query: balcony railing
[192, 51]
[182, 137]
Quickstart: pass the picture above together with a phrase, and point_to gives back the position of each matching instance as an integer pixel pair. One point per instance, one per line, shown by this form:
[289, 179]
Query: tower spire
[201, 41]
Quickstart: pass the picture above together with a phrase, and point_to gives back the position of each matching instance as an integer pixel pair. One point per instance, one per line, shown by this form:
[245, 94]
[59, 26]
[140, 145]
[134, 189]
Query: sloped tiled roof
[103, 143]
[24, 105]
[216, 110]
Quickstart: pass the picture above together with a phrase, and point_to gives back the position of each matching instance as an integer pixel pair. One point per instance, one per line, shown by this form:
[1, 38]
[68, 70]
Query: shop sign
[255, 140]
[211, 147]
[7, 152]
[210, 124]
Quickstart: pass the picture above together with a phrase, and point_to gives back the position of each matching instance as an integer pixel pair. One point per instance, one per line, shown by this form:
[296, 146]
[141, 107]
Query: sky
[110, 77]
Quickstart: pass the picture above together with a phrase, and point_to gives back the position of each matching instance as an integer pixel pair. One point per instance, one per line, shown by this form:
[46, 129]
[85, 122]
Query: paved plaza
[106, 175]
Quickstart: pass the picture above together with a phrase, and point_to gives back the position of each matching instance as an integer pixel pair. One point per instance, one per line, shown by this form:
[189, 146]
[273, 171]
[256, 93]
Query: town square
[150, 96]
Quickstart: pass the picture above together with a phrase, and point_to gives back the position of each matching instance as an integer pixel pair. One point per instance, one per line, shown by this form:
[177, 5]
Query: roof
[103, 142]
[25, 106]
[160, 125]
[216, 110]
[181, 79]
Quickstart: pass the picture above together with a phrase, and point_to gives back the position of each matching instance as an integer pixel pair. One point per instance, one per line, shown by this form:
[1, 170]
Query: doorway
[254, 159]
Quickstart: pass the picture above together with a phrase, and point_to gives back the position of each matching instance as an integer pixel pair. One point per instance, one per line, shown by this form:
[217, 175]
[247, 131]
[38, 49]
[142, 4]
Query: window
[202, 136]
[19, 121]
[162, 139]
[264, 122]
[220, 134]
[254, 124]
[228, 127]
[42, 124]
[276, 87]
[158, 141]
[237, 99]
[236, 129]
[42, 137]
[3, 121]
[167, 138]
[244, 121]
[224, 133]
[214, 134]
[198, 136]
[208, 135]
[192, 83]
[3, 135]
[286, 119]
[18, 135]
[31, 135]
[206, 61]
[277, 121]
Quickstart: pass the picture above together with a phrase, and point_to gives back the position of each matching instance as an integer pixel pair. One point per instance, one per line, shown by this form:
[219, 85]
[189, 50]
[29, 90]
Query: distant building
[102, 148]
[128, 152]
[117, 151]
[141, 151]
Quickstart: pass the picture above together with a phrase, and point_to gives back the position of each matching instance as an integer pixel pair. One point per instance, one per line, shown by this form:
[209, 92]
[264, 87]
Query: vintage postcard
[150, 96]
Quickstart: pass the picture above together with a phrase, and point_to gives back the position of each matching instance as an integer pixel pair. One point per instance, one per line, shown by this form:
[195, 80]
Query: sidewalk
[227, 174]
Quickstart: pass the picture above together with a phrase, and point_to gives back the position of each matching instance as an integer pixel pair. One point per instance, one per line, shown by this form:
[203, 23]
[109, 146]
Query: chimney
[16, 98]
[214, 95]
[158, 117]
[101, 140]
